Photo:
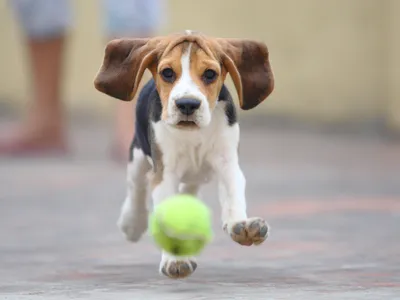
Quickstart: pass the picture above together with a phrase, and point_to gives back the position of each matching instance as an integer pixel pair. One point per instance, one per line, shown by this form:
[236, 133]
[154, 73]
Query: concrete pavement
[332, 200]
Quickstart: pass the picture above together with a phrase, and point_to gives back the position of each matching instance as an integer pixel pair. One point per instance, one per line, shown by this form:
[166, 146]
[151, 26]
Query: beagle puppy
[186, 126]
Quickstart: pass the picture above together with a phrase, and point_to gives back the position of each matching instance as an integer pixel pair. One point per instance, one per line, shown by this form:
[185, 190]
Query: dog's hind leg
[134, 214]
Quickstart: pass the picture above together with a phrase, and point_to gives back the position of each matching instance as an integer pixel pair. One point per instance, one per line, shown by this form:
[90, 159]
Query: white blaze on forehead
[185, 86]
[188, 32]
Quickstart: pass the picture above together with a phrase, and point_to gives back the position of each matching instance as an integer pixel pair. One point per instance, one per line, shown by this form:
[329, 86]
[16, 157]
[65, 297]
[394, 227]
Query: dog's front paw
[176, 267]
[252, 231]
[133, 223]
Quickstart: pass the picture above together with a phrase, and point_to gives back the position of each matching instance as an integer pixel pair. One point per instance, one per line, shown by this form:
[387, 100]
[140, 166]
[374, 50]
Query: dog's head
[189, 70]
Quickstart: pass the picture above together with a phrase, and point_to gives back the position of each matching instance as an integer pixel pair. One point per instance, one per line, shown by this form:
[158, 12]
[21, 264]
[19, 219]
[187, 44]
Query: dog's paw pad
[253, 231]
[177, 269]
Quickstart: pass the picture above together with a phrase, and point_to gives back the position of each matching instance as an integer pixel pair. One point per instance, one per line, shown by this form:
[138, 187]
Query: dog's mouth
[187, 124]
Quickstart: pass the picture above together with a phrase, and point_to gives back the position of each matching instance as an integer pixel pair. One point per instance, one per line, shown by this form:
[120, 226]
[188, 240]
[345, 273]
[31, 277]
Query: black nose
[187, 106]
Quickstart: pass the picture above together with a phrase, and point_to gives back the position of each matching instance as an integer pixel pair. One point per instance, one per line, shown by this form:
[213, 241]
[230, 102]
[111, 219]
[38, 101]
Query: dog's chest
[191, 161]
[187, 153]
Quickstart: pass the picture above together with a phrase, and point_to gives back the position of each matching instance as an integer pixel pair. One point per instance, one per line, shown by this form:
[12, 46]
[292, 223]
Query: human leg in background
[129, 18]
[44, 24]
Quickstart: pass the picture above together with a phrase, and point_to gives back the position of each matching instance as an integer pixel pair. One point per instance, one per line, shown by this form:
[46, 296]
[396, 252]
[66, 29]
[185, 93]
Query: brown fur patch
[248, 63]
[200, 61]
[172, 60]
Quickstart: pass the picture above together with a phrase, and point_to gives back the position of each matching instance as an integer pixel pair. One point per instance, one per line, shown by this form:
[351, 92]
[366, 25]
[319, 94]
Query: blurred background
[321, 154]
[334, 61]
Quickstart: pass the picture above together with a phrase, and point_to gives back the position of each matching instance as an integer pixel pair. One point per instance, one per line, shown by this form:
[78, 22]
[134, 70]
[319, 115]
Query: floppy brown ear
[125, 61]
[248, 64]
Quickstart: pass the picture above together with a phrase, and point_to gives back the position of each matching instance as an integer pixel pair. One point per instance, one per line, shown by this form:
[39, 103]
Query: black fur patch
[148, 108]
[230, 109]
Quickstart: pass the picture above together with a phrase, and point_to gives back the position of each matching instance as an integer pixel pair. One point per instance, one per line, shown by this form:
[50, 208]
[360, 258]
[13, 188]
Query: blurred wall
[334, 60]
[394, 65]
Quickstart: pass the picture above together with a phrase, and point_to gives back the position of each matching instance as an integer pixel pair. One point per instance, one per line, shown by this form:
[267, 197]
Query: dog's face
[189, 71]
[188, 81]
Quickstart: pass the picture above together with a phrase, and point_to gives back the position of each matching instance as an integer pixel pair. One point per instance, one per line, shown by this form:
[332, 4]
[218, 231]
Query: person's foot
[32, 141]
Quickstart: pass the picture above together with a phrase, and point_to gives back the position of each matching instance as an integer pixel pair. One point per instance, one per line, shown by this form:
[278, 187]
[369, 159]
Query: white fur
[193, 157]
[134, 213]
[185, 87]
[187, 153]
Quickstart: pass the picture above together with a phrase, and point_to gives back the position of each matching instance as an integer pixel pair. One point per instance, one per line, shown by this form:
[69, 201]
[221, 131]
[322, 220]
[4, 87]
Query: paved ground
[333, 203]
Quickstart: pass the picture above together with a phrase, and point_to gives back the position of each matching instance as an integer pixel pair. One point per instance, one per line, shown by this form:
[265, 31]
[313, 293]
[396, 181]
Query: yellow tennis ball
[181, 225]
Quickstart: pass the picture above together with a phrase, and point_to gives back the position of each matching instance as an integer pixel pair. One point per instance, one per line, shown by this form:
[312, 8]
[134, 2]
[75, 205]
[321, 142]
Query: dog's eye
[209, 76]
[168, 74]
